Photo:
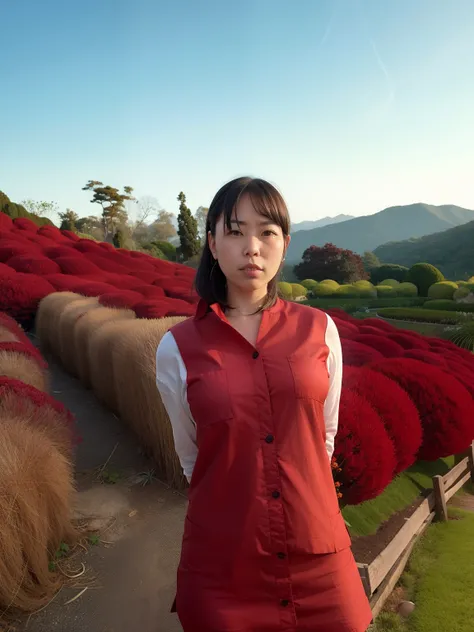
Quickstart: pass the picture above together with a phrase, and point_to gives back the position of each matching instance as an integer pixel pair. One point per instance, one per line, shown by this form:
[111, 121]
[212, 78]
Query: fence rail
[382, 574]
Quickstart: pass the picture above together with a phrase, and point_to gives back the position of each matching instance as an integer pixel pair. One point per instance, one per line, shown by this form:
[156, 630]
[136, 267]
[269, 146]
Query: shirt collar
[204, 308]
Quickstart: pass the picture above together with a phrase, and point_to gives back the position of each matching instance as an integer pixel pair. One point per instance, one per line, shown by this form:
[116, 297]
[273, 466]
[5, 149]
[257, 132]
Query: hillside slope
[319, 223]
[452, 251]
[396, 223]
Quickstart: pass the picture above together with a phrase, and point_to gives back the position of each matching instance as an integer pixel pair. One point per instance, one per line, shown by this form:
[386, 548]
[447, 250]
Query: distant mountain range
[396, 223]
[319, 223]
[452, 251]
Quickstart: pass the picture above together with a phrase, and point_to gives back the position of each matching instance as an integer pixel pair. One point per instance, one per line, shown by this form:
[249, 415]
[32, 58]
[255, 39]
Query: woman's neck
[245, 304]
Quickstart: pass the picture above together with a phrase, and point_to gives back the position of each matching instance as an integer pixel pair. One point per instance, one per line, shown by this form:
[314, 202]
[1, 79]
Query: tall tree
[68, 220]
[163, 228]
[370, 260]
[190, 244]
[40, 208]
[91, 225]
[201, 218]
[112, 203]
[330, 262]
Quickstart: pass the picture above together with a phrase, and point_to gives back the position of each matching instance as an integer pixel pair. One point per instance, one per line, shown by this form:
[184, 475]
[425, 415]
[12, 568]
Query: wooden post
[364, 575]
[471, 460]
[440, 500]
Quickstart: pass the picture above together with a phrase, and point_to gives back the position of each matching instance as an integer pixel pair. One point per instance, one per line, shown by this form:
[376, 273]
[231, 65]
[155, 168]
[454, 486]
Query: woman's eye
[269, 233]
[234, 233]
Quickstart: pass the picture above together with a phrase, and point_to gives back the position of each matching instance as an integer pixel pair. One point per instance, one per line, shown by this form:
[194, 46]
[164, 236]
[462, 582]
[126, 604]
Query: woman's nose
[252, 247]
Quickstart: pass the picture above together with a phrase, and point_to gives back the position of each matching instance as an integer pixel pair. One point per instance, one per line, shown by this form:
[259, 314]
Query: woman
[252, 386]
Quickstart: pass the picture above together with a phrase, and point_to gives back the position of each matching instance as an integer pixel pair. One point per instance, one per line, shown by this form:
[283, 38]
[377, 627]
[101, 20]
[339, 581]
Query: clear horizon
[347, 106]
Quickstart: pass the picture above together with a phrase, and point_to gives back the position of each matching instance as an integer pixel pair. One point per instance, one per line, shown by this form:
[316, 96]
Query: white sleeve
[334, 365]
[171, 380]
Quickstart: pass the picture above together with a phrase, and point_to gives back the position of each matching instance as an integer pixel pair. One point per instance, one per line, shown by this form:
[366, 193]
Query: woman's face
[251, 252]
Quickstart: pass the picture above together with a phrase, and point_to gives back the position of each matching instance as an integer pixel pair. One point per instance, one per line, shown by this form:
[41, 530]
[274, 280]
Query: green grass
[422, 315]
[439, 580]
[365, 519]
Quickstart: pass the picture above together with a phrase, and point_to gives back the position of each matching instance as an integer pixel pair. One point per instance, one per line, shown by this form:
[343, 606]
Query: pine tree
[187, 230]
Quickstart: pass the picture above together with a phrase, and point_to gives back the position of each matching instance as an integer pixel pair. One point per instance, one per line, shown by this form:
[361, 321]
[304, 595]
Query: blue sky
[348, 106]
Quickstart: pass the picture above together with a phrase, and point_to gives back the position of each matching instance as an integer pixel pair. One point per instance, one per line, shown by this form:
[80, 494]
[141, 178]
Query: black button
[255, 355]
[281, 556]
[276, 494]
[269, 438]
[285, 602]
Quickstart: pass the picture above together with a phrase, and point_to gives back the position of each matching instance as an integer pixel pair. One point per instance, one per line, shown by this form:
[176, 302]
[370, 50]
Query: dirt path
[130, 576]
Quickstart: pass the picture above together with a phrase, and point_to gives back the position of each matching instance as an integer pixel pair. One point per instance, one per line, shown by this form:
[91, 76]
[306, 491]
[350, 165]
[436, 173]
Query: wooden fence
[382, 574]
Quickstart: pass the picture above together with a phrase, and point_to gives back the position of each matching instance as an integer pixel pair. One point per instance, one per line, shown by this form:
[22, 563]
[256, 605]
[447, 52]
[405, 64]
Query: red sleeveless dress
[265, 547]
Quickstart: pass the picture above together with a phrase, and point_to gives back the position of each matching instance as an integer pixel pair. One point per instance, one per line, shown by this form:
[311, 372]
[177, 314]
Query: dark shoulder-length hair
[211, 284]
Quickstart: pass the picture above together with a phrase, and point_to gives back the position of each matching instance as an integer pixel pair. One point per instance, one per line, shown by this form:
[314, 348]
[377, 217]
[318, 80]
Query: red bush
[378, 323]
[21, 294]
[6, 271]
[77, 266]
[150, 291]
[444, 405]
[143, 277]
[93, 288]
[125, 299]
[362, 450]
[107, 247]
[36, 265]
[105, 261]
[409, 341]
[138, 265]
[12, 249]
[429, 357]
[388, 348]
[53, 252]
[51, 232]
[373, 331]
[86, 246]
[64, 282]
[121, 281]
[70, 235]
[5, 222]
[24, 391]
[22, 223]
[339, 313]
[357, 354]
[394, 407]
[151, 309]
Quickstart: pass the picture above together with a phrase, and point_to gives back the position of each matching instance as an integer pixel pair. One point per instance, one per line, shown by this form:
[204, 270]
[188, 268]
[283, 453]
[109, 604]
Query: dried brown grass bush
[85, 327]
[7, 336]
[47, 319]
[70, 316]
[139, 403]
[24, 368]
[101, 370]
[36, 489]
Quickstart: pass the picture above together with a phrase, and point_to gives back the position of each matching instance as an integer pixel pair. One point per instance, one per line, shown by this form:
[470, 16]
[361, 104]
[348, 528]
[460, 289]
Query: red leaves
[32, 264]
[357, 354]
[21, 294]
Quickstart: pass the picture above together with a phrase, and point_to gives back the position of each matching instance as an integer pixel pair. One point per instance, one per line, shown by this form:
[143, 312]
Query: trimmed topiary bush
[461, 292]
[324, 289]
[407, 289]
[363, 450]
[444, 405]
[442, 290]
[309, 284]
[298, 290]
[390, 282]
[423, 275]
[347, 291]
[386, 291]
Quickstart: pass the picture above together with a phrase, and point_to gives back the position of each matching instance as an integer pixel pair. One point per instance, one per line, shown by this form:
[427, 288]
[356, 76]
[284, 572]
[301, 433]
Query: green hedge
[423, 275]
[450, 306]
[442, 317]
[309, 284]
[463, 337]
[285, 290]
[17, 210]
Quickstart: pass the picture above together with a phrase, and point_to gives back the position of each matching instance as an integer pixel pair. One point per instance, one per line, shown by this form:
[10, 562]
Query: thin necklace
[242, 313]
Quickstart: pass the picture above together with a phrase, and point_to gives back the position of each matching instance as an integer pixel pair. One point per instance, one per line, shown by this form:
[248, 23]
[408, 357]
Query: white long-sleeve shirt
[171, 379]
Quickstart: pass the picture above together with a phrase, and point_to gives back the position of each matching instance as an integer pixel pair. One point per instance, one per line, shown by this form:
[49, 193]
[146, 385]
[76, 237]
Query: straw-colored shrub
[101, 370]
[139, 403]
[25, 368]
[36, 488]
[83, 331]
[47, 319]
[68, 320]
